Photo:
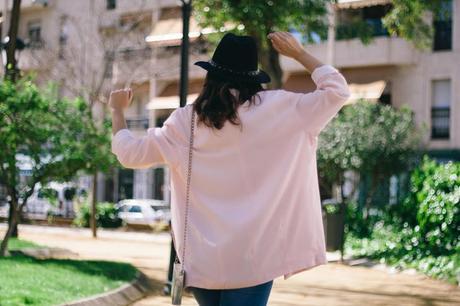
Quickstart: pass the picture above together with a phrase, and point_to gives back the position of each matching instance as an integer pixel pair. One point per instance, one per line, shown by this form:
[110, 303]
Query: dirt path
[332, 284]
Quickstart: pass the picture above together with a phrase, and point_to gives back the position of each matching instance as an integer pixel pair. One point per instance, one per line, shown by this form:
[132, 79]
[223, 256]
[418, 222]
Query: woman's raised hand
[120, 98]
[286, 44]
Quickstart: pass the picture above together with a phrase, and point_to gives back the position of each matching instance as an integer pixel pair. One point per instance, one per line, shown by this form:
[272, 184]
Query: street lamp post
[10, 42]
[186, 9]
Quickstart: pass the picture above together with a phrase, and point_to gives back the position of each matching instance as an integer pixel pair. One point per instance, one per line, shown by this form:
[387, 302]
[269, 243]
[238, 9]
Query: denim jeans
[247, 296]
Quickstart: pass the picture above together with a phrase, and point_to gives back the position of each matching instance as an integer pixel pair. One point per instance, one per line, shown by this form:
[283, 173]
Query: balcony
[382, 51]
[167, 63]
[137, 123]
[30, 5]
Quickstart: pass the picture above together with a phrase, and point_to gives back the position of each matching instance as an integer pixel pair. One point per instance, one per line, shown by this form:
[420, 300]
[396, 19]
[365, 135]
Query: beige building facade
[92, 46]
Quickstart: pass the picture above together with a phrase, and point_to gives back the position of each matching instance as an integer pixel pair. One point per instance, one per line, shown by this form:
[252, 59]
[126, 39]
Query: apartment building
[137, 43]
[391, 71]
[90, 47]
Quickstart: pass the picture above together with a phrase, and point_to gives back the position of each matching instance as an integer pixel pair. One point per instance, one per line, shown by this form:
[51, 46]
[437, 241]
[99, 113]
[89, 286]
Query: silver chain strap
[192, 130]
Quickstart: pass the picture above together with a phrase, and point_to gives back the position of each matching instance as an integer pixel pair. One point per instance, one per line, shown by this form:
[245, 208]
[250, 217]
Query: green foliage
[357, 29]
[263, 16]
[388, 245]
[422, 232]
[49, 194]
[368, 138]
[106, 216]
[357, 224]
[56, 135]
[409, 19]
[432, 209]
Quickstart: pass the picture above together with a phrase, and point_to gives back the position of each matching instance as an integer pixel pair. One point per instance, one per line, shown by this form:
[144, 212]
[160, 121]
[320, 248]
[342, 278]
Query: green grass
[17, 244]
[28, 281]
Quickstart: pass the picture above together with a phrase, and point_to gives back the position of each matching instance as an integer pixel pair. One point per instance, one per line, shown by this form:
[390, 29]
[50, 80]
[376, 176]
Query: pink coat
[255, 211]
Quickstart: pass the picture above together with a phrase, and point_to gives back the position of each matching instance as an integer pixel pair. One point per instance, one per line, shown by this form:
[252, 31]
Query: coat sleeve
[161, 145]
[317, 108]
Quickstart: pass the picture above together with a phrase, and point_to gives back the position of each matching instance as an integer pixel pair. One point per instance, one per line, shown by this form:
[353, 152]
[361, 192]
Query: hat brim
[260, 77]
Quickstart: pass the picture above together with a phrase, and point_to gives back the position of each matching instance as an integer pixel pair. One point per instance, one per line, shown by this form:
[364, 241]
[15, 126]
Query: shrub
[432, 209]
[423, 232]
[106, 216]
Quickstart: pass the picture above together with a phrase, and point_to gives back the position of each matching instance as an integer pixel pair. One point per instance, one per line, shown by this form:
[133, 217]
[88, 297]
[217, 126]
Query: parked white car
[143, 211]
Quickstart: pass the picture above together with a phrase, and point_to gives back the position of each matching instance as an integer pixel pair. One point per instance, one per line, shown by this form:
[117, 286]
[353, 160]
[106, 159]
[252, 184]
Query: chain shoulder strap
[189, 174]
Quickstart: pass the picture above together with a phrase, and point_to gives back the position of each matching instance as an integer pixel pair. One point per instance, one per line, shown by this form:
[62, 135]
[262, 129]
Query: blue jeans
[248, 296]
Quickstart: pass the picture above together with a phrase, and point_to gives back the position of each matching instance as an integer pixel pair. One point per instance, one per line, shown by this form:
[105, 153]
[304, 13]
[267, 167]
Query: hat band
[251, 73]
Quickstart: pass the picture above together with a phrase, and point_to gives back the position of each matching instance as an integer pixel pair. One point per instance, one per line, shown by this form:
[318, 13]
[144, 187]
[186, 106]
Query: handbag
[178, 279]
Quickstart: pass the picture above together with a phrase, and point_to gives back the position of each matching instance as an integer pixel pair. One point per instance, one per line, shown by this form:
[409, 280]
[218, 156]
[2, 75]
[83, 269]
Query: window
[111, 4]
[440, 109]
[443, 27]
[125, 183]
[34, 30]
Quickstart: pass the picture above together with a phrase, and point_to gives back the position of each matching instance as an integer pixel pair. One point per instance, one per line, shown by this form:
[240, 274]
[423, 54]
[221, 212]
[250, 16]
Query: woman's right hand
[120, 99]
[286, 44]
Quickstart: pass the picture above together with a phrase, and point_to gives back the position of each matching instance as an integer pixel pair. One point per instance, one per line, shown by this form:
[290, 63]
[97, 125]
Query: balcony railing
[140, 123]
[440, 117]
[132, 54]
[361, 29]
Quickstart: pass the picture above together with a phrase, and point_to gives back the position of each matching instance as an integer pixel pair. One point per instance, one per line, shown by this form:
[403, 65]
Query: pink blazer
[255, 211]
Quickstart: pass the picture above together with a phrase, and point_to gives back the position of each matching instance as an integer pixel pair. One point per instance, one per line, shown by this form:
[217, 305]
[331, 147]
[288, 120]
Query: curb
[122, 296]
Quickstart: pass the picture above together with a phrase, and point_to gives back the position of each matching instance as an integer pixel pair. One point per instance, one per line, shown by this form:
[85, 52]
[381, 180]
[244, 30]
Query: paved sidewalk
[331, 284]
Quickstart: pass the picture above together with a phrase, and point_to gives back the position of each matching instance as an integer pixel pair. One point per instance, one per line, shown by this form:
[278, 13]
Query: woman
[255, 211]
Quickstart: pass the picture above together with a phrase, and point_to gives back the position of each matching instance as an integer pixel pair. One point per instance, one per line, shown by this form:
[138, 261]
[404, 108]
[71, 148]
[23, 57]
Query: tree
[89, 44]
[371, 139]
[56, 137]
[406, 18]
[411, 19]
[261, 17]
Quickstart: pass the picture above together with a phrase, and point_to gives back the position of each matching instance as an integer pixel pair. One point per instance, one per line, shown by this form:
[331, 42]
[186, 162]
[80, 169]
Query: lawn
[16, 244]
[28, 281]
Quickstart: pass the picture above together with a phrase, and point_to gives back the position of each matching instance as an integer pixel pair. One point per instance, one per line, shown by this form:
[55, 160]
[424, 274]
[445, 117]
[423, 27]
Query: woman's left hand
[120, 99]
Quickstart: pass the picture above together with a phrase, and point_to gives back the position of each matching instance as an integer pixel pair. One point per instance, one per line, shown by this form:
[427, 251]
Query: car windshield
[135, 209]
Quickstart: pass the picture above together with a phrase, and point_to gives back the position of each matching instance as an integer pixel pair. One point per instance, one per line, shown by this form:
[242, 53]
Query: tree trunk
[270, 61]
[342, 212]
[12, 225]
[14, 231]
[92, 220]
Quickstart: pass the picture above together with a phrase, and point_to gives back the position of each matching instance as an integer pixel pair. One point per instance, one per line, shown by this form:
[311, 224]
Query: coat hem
[287, 273]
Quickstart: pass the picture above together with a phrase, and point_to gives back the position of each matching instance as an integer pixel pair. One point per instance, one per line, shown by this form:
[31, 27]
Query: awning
[168, 102]
[169, 32]
[370, 92]
[356, 4]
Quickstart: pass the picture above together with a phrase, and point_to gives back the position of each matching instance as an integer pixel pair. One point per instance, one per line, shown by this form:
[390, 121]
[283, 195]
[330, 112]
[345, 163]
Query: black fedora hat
[236, 58]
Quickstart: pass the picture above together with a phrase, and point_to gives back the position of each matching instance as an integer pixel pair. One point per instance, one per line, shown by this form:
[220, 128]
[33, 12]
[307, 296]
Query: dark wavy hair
[215, 104]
